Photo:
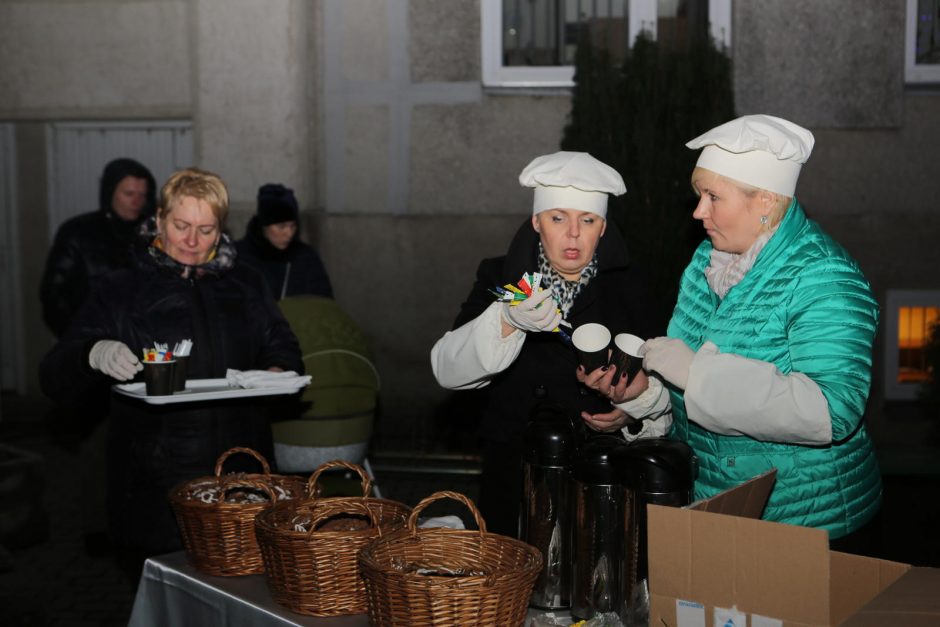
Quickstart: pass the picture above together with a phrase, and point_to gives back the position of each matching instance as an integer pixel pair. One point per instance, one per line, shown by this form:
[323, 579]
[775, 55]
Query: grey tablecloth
[171, 592]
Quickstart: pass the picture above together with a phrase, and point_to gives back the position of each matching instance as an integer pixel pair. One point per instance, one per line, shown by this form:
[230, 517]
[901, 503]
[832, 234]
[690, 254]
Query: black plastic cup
[591, 341]
[158, 377]
[179, 373]
[624, 355]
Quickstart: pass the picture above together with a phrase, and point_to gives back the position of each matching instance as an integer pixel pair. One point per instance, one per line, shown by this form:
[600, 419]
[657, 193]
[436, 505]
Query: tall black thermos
[549, 444]
[596, 529]
[651, 471]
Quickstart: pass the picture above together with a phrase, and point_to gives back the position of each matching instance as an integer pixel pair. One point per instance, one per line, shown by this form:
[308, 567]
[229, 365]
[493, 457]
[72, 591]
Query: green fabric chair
[341, 398]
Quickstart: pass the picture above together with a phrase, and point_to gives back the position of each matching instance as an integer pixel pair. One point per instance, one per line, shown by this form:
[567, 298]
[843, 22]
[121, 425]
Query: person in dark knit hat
[272, 247]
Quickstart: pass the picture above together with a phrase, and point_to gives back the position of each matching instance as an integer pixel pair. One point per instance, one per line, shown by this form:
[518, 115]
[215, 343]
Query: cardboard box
[712, 566]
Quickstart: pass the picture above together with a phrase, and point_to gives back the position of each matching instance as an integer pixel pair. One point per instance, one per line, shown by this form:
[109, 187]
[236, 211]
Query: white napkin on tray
[265, 379]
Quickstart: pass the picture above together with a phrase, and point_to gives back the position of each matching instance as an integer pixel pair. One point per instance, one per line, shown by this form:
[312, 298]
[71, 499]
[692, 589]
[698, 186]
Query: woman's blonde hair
[198, 184]
[780, 202]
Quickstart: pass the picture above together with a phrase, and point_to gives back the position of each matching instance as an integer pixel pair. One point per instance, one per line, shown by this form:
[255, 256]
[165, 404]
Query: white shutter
[78, 152]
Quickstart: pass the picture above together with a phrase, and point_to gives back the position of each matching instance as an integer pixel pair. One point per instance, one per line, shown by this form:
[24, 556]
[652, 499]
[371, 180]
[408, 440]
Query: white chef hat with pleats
[571, 180]
[760, 150]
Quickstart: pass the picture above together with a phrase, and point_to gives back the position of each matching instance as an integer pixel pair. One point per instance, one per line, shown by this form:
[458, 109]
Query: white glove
[670, 357]
[536, 313]
[114, 359]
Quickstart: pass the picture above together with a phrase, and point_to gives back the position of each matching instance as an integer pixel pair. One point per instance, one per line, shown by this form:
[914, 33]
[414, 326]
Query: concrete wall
[374, 112]
[244, 72]
[838, 68]
[102, 59]
[834, 64]
[449, 166]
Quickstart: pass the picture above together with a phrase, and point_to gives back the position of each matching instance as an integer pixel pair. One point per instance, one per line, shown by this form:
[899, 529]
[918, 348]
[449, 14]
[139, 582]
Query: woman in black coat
[511, 350]
[186, 286]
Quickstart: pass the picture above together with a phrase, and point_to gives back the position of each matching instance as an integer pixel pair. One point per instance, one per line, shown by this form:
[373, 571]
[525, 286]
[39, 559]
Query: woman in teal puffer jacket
[768, 355]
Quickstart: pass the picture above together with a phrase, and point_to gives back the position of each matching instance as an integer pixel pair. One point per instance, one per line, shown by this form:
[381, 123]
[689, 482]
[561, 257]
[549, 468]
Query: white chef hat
[571, 180]
[758, 150]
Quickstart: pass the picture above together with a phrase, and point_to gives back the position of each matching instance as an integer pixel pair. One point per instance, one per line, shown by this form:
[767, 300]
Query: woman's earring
[763, 220]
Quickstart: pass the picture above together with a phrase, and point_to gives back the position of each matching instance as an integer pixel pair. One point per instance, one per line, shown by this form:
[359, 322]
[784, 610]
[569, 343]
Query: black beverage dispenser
[651, 471]
[549, 445]
[596, 529]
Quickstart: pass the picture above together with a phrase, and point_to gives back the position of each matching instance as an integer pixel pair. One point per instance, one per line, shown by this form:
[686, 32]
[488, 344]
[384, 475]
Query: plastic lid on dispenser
[549, 438]
[593, 465]
[657, 465]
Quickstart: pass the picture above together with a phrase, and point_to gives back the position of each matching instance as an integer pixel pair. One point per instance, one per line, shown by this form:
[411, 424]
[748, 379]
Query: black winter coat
[89, 246]
[294, 271]
[544, 371]
[85, 248]
[233, 322]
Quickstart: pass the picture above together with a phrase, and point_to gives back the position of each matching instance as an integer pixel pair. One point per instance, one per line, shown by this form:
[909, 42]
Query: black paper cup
[591, 341]
[179, 374]
[624, 357]
[158, 377]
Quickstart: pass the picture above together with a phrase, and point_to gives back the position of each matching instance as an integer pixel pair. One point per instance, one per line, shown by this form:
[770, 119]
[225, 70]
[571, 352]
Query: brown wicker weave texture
[315, 572]
[219, 538]
[415, 576]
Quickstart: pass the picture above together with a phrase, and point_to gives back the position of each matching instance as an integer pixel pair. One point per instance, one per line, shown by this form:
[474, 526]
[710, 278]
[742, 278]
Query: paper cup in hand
[158, 377]
[624, 357]
[591, 341]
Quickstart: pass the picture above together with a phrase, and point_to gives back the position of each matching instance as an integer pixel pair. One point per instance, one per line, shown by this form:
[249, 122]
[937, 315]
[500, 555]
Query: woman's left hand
[610, 383]
[611, 422]
[275, 369]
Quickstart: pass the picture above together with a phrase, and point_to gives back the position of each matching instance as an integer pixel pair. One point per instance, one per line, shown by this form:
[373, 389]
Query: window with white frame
[532, 43]
[922, 42]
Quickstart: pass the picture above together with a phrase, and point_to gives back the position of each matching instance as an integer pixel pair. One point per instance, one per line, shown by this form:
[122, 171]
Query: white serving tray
[201, 390]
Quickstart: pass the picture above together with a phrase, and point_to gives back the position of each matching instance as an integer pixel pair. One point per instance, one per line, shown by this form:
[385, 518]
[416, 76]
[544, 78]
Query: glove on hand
[536, 313]
[670, 357]
[114, 359]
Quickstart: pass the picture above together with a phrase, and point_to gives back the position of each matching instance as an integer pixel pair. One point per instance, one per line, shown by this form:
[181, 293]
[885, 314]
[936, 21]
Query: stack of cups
[181, 353]
[165, 371]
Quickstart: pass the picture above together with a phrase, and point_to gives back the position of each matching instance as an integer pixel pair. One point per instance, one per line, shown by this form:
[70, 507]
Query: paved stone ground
[55, 583]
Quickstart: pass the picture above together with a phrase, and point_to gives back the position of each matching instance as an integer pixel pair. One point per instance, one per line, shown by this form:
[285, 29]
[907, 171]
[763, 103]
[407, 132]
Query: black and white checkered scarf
[565, 291]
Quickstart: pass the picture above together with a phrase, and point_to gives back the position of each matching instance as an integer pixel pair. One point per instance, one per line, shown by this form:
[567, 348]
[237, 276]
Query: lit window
[914, 325]
[922, 42]
[532, 43]
[910, 316]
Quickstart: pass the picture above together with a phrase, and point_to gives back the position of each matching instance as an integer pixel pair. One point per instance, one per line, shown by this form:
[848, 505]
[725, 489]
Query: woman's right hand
[611, 422]
[536, 313]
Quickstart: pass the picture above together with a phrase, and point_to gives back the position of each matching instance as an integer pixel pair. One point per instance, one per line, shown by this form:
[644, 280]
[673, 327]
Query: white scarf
[725, 270]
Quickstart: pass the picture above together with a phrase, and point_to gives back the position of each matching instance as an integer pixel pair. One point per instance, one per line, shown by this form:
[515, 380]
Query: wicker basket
[448, 577]
[314, 571]
[219, 536]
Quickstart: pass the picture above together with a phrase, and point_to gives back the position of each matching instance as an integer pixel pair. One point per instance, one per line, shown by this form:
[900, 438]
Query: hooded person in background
[271, 246]
[90, 245]
[87, 247]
